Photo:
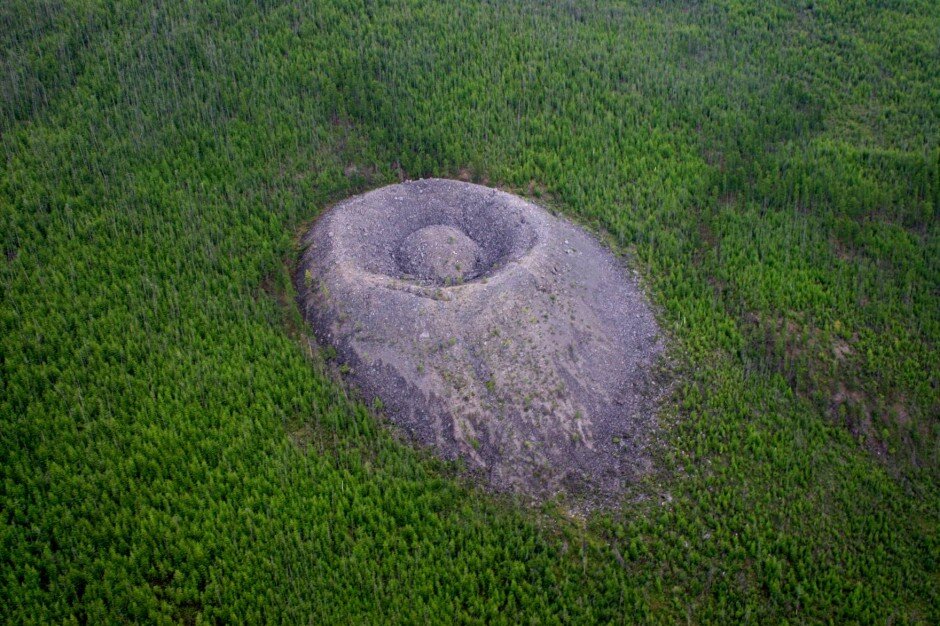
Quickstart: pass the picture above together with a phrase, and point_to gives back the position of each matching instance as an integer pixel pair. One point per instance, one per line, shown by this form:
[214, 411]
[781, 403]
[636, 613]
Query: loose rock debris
[490, 330]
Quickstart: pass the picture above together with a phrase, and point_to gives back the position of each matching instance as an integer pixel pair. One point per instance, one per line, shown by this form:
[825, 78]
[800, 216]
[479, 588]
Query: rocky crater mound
[441, 255]
[491, 330]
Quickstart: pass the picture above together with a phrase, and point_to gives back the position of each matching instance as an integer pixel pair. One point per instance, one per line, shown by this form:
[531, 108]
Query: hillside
[171, 451]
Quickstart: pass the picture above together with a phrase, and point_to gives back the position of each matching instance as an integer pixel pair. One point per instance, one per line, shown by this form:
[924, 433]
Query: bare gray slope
[491, 330]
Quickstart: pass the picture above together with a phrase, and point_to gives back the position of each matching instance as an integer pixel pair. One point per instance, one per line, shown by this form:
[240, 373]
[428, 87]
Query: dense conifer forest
[171, 451]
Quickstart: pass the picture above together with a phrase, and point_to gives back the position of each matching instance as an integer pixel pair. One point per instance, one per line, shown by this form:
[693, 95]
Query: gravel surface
[491, 330]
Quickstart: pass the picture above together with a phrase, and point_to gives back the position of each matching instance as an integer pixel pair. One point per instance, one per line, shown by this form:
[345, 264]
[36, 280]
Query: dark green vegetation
[169, 452]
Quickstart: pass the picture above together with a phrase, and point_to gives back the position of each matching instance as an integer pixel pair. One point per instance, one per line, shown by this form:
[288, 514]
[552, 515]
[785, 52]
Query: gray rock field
[491, 330]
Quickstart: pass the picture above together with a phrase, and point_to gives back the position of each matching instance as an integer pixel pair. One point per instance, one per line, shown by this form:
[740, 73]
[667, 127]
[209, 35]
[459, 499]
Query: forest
[171, 449]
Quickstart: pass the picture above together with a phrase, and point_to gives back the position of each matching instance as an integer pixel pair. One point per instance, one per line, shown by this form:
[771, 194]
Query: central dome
[442, 255]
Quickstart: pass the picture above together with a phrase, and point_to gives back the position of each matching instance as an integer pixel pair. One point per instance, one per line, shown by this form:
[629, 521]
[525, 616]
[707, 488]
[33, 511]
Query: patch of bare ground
[490, 331]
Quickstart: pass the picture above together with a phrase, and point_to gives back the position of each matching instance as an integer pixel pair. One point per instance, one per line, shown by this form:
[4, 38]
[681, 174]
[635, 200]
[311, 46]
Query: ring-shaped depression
[439, 241]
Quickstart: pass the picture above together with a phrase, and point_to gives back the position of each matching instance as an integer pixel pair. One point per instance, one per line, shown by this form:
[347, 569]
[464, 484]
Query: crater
[491, 331]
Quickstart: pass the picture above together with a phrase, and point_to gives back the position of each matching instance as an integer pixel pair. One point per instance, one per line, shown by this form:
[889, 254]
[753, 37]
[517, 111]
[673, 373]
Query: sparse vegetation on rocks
[385, 255]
